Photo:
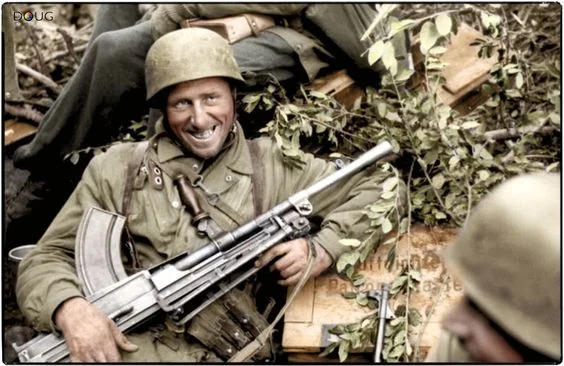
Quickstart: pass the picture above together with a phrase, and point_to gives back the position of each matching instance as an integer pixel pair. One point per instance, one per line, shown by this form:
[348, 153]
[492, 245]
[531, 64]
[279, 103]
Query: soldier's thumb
[122, 341]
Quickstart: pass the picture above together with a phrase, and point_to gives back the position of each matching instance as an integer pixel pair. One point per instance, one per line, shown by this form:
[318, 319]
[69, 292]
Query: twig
[469, 187]
[29, 114]
[34, 43]
[68, 41]
[58, 54]
[507, 133]
[444, 281]
[39, 77]
[408, 256]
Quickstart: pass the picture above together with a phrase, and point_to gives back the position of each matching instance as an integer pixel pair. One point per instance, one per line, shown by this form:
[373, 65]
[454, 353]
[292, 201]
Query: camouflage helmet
[508, 259]
[187, 54]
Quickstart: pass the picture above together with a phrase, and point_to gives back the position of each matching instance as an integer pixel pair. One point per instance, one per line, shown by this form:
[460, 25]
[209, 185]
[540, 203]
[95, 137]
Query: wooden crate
[320, 305]
[464, 72]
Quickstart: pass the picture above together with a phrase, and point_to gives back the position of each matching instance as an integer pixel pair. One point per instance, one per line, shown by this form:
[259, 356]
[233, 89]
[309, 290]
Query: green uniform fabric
[161, 225]
[448, 349]
[339, 24]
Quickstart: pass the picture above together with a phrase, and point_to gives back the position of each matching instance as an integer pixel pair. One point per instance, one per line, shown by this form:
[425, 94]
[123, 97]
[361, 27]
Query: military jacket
[160, 224]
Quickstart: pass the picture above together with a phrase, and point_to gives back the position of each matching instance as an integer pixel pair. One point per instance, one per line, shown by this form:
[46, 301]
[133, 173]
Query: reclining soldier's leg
[106, 91]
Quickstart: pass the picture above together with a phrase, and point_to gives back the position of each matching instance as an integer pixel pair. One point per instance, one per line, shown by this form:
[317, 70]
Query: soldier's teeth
[203, 135]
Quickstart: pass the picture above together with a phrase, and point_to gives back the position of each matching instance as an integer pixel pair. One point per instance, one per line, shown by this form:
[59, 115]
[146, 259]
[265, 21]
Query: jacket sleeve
[340, 206]
[167, 17]
[47, 276]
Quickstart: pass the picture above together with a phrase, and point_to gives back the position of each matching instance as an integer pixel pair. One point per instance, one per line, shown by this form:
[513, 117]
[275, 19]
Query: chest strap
[133, 167]
[258, 176]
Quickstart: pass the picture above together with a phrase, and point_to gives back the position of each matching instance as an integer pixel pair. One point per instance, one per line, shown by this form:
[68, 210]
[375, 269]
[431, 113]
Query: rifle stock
[183, 285]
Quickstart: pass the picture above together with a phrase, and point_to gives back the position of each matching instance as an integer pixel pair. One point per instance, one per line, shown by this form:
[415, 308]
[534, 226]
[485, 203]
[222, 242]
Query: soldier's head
[508, 259]
[191, 76]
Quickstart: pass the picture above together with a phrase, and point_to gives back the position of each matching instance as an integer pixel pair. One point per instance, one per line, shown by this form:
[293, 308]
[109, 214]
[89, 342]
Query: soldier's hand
[291, 260]
[89, 334]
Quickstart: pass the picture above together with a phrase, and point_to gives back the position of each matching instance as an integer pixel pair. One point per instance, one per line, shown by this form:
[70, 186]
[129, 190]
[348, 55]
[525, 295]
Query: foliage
[451, 160]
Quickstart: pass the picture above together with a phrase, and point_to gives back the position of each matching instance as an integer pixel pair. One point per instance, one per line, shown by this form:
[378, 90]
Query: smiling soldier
[191, 77]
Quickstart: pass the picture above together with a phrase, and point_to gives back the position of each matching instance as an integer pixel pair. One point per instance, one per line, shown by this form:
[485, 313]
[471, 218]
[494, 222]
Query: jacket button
[229, 178]
[175, 204]
[195, 166]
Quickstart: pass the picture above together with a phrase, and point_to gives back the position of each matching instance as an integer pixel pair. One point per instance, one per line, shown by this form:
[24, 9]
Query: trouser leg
[106, 91]
[111, 17]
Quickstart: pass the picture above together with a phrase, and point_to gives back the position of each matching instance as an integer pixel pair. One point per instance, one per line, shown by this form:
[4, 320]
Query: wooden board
[320, 304]
[17, 131]
[464, 73]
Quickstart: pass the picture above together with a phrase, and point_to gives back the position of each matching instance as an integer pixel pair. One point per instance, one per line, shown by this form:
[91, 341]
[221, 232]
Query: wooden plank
[437, 291]
[16, 131]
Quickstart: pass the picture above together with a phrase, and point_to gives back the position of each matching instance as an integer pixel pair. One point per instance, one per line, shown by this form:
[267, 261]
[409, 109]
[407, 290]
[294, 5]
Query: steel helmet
[508, 259]
[187, 54]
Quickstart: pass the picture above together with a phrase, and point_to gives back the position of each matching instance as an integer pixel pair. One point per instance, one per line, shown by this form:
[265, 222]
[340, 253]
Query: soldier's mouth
[203, 135]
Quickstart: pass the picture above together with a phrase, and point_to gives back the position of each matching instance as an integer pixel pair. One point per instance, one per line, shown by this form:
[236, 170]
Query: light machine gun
[184, 285]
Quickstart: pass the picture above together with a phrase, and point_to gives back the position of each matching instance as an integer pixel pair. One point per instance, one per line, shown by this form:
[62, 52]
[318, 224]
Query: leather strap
[258, 176]
[131, 174]
[132, 170]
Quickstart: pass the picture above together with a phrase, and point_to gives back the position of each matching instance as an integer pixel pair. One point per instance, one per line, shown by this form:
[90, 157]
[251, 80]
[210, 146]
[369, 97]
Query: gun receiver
[184, 285]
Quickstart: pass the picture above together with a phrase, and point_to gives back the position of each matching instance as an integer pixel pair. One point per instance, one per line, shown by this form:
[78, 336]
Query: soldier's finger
[292, 280]
[122, 341]
[277, 251]
[291, 270]
[284, 262]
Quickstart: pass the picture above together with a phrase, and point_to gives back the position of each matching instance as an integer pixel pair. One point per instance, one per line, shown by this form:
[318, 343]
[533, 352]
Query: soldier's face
[201, 113]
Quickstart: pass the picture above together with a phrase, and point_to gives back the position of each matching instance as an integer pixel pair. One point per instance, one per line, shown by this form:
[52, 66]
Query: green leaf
[390, 184]
[443, 24]
[388, 195]
[349, 295]
[348, 258]
[382, 109]
[428, 36]
[403, 225]
[404, 75]
[438, 180]
[408, 348]
[397, 352]
[350, 242]
[400, 337]
[469, 125]
[389, 58]
[375, 52]
[344, 351]
[74, 158]
[398, 26]
[453, 162]
[485, 154]
[361, 299]
[386, 226]
[483, 174]
[318, 94]
[329, 349]
[415, 275]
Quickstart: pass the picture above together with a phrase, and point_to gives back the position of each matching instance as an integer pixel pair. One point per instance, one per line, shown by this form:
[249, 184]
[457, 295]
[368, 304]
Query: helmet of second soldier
[187, 54]
[508, 259]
